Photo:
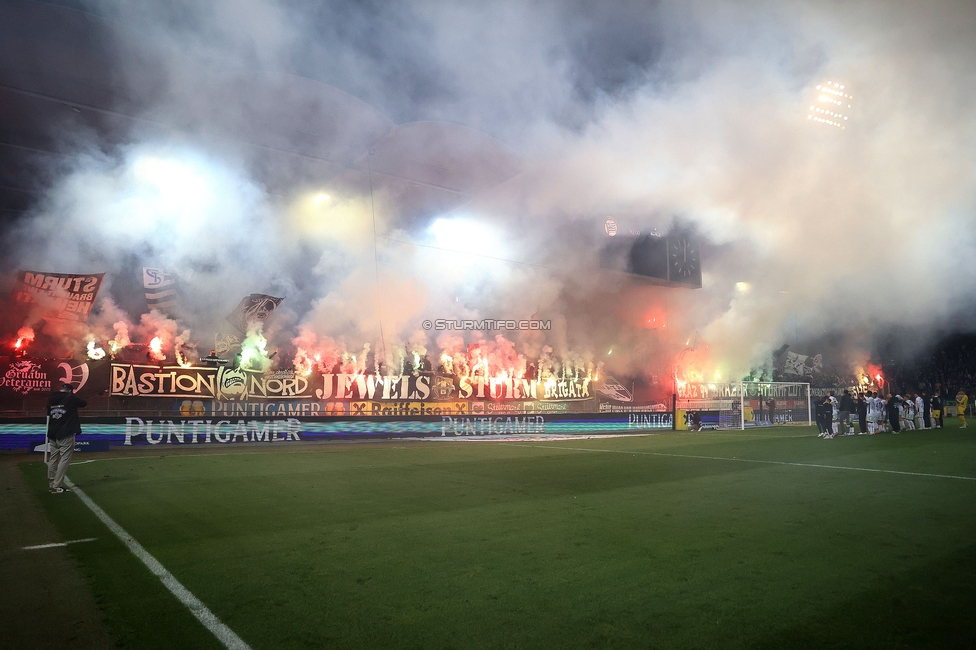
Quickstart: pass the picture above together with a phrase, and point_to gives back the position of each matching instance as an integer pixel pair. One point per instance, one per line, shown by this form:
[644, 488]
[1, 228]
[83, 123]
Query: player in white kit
[834, 404]
[908, 413]
[883, 414]
[874, 413]
[919, 412]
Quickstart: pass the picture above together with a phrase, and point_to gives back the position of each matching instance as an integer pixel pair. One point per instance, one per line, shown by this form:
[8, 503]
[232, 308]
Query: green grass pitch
[669, 540]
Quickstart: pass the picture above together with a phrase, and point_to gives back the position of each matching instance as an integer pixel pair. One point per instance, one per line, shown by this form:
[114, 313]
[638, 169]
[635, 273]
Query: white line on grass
[191, 602]
[74, 541]
[161, 457]
[751, 460]
[204, 455]
[739, 434]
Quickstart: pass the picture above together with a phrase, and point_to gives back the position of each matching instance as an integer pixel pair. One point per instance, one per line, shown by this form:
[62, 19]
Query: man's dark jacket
[63, 407]
[846, 403]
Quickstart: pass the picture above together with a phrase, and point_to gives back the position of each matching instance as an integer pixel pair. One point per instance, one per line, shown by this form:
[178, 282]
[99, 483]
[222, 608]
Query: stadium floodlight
[835, 94]
[462, 234]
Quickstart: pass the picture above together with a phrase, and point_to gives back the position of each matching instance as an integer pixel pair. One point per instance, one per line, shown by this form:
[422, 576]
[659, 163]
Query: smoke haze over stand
[695, 111]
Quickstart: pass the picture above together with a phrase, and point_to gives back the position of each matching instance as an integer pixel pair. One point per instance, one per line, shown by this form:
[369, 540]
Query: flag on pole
[62, 296]
[253, 309]
[802, 365]
[160, 289]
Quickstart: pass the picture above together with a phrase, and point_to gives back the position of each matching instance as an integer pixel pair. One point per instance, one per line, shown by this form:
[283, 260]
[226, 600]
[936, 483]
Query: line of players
[875, 415]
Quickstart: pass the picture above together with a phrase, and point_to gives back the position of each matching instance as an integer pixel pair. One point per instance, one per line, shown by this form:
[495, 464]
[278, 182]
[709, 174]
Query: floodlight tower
[831, 106]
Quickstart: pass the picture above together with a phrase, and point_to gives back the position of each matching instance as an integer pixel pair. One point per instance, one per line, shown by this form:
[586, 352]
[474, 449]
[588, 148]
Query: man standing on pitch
[862, 414]
[825, 411]
[845, 407]
[962, 401]
[62, 427]
[936, 410]
[893, 415]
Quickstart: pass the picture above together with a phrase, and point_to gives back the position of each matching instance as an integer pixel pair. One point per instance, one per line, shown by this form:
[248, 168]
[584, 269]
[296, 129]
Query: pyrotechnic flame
[24, 336]
[95, 353]
[303, 363]
[448, 362]
[871, 375]
[254, 353]
[485, 360]
[156, 349]
[182, 360]
[181, 347]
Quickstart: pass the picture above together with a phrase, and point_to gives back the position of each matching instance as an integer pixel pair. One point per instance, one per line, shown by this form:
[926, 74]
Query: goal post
[743, 405]
[774, 403]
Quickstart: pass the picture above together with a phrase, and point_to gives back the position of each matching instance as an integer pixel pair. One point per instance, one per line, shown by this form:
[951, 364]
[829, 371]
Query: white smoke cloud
[691, 110]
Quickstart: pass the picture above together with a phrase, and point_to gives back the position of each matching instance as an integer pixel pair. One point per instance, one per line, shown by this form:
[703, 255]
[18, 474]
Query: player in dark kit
[846, 406]
[927, 410]
[825, 416]
[861, 405]
[62, 427]
[893, 417]
[936, 411]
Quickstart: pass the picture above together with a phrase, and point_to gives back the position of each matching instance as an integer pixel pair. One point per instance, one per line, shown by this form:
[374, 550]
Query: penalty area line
[200, 611]
[753, 460]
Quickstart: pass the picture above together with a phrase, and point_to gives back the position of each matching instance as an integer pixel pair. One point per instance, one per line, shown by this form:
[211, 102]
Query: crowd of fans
[947, 369]
[950, 367]
[874, 413]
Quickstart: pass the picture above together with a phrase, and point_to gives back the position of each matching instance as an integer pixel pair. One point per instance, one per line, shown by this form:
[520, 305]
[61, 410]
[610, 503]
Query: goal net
[775, 403]
[743, 405]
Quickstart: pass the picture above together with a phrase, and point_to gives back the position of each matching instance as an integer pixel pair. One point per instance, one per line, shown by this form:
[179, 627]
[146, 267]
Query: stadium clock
[684, 259]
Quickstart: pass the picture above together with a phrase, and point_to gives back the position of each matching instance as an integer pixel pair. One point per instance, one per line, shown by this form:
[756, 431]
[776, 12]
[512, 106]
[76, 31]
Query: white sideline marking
[204, 455]
[74, 541]
[736, 433]
[752, 460]
[191, 602]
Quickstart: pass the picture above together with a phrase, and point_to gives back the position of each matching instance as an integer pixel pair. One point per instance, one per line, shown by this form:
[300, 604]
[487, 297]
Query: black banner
[65, 296]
